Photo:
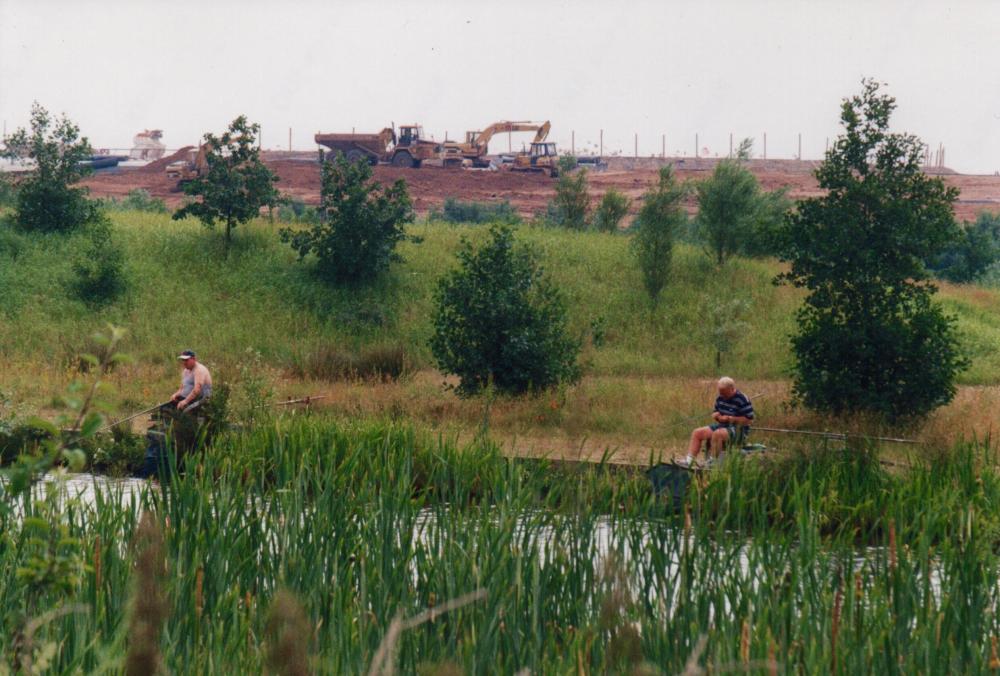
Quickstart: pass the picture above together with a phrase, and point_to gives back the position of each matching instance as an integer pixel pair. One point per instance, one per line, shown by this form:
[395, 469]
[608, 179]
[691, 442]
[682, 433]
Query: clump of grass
[374, 362]
[460, 211]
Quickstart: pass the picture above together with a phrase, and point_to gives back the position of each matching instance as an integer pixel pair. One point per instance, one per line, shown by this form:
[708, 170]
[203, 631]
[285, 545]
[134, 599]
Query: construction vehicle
[190, 167]
[541, 157]
[408, 149]
[474, 150]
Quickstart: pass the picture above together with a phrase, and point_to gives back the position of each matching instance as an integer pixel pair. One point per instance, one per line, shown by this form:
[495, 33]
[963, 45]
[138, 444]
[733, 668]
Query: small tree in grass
[498, 321]
[235, 184]
[46, 201]
[734, 215]
[613, 208]
[570, 206]
[661, 217]
[361, 222]
[870, 338]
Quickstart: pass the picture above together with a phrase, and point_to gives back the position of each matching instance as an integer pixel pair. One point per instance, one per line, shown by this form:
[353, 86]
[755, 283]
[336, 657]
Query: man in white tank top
[196, 381]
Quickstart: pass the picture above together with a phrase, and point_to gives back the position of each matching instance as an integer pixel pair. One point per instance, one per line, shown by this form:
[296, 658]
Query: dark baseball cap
[186, 354]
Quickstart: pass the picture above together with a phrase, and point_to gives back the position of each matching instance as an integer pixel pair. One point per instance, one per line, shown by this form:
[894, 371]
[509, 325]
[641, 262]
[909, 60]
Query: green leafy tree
[572, 202]
[499, 322]
[613, 208]
[870, 337]
[46, 200]
[235, 184]
[361, 222]
[972, 253]
[734, 215]
[661, 217]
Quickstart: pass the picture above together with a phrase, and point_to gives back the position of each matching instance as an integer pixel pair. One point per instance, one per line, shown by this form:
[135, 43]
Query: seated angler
[733, 415]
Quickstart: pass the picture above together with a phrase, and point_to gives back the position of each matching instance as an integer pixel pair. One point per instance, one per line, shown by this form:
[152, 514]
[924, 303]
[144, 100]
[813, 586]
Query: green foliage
[976, 248]
[499, 322]
[613, 208]
[100, 267]
[870, 337]
[8, 189]
[567, 163]
[295, 210]
[661, 217]
[361, 224]
[45, 200]
[235, 184]
[459, 211]
[253, 390]
[734, 215]
[139, 199]
[572, 202]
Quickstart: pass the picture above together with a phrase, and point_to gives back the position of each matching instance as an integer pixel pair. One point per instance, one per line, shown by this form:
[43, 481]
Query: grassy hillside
[185, 293]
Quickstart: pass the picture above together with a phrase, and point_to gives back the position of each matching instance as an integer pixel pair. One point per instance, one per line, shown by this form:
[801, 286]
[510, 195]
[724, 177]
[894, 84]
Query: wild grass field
[647, 370]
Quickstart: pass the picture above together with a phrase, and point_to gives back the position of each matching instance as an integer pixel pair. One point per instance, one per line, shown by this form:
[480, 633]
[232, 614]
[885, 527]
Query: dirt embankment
[528, 193]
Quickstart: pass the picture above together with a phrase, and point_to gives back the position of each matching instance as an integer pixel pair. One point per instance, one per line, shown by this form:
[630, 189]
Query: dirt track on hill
[529, 193]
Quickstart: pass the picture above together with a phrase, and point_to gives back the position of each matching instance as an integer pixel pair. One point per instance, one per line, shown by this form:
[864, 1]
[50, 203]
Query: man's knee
[720, 435]
[702, 432]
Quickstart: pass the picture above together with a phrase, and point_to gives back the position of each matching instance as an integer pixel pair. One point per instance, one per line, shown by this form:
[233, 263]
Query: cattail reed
[745, 643]
[97, 563]
[838, 598]
[148, 608]
[288, 633]
[892, 545]
[199, 593]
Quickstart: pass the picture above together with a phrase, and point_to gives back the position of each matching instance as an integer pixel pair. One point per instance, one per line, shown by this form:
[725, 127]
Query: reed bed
[324, 533]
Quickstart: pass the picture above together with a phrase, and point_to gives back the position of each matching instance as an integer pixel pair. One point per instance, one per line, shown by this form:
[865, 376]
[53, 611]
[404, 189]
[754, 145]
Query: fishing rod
[133, 416]
[305, 400]
[843, 436]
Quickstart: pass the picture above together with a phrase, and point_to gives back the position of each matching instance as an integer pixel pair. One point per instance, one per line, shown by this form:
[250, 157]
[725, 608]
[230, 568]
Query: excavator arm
[541, 131]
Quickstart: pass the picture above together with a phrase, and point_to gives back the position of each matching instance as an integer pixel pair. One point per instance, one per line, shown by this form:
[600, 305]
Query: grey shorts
[737, 433]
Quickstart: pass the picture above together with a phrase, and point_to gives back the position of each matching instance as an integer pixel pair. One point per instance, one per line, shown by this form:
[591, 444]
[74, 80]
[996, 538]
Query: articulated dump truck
[408, 149]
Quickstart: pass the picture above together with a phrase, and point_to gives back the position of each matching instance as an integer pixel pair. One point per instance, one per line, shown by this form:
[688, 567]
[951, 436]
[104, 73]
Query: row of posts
[931, 158]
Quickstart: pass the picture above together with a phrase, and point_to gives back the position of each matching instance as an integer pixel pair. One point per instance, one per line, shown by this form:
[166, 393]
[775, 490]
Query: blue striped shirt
[737, 406]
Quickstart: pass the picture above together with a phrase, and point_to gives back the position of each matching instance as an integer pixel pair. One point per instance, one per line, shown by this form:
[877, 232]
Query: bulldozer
[541, 157]
[473, 150]
[189, 168]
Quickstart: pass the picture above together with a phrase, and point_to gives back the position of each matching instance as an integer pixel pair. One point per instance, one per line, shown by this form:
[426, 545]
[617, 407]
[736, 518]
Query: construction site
[435, 172]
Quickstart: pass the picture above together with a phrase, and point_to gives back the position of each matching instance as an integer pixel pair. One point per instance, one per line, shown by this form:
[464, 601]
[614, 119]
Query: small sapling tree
[499, 322]
[46, 200]
[662, 215]
[734, 215]
[870, 337]
[570, 206]
[361, 222]
[235, 183]
[613, 208]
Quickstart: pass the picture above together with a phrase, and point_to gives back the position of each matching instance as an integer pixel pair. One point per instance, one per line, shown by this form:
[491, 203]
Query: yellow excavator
[473, 150]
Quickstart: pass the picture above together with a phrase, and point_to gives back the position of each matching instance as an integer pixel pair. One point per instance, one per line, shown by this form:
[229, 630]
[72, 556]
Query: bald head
[727, 386]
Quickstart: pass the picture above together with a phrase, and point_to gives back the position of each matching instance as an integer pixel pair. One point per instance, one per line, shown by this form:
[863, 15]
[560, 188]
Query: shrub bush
[613, 208]
[100, 267]
[976, 248]
[572, 202]
[498, 321]
[458, 211]
[140, 200]
[361, 223]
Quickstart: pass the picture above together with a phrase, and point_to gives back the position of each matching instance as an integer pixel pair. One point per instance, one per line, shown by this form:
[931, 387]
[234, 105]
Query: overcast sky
[652, 68]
